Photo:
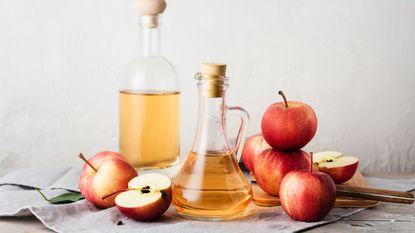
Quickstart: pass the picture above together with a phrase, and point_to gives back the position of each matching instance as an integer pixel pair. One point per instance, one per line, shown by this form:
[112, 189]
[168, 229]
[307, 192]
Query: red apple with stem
[288, 125]
[104, 173]
[306, 195]
[253, 147]
[272, 165]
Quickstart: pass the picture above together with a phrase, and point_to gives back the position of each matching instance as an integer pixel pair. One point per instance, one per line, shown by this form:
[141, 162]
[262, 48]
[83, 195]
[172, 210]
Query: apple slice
[340, 168]
[324, 155]
[148, 197]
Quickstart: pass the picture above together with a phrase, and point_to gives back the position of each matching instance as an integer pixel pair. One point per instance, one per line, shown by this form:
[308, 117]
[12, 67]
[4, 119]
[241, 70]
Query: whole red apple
[272, 165]
[106, 172]
[254, 145]
[306, 195]
[288, 125]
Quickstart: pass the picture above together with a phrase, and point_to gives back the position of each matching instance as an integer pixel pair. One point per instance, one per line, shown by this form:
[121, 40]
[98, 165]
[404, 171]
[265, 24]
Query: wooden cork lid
[214, 75]
[213, 69]
[150, 7]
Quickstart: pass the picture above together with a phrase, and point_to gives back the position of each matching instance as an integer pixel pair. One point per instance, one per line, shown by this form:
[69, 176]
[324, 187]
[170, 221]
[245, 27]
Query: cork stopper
[215, 78]
[213, 69]
[150, 7]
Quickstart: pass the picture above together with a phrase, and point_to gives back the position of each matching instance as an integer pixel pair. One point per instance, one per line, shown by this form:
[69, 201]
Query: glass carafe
[210, 185]
[150, 101]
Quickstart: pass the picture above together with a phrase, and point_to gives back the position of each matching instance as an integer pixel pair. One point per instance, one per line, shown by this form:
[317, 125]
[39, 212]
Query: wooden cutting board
[358, 180]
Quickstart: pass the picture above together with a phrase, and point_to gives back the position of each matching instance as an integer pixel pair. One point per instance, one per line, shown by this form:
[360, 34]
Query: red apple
[106, 172]
[306, 195]
[254, 145]
[288, 125]
[340, 168]
[148, 198]
[272, 165]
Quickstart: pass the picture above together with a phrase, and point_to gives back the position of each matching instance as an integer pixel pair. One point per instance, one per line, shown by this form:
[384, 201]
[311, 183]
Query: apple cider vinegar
[149, 96]
[149, 128]
[211, 186]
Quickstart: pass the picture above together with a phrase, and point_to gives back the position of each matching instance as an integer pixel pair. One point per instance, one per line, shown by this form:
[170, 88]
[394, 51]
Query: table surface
[387, 217]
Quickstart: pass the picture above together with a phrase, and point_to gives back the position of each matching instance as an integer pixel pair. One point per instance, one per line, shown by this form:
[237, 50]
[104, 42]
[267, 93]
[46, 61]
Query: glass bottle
[210, 185]
[150, 100]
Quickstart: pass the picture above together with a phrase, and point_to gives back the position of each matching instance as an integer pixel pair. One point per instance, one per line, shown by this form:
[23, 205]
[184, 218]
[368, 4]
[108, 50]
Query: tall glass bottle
[149, 98]
[210, 184]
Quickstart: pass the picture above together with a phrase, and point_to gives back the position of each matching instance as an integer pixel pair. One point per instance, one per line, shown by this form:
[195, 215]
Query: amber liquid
[149, 128]
[211, 186]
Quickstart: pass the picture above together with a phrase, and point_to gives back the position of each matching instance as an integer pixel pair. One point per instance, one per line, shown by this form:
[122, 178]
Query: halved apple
[148, 197]
[340, 168]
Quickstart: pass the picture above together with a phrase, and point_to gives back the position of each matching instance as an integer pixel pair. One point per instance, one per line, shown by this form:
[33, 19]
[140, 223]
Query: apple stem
[311, 162]
[108, 195]
[283, 96]
[81, 156]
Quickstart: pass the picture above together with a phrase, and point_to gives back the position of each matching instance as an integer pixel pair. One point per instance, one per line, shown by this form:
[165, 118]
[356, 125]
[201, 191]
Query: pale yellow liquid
[212, 187]
[149, 128]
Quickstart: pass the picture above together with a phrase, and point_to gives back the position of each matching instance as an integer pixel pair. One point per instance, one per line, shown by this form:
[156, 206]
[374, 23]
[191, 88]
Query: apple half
[339, 167]
[148, 197]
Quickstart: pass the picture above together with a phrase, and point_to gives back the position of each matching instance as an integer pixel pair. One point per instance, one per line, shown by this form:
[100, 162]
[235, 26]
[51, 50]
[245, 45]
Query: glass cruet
[210, 185]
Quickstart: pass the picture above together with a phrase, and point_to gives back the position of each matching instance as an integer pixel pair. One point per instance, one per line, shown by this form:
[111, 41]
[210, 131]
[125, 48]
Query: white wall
[353, 61]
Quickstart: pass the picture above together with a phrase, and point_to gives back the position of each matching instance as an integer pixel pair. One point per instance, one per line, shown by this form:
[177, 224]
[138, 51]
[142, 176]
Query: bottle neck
[150, 35]
[210, 134]
[210, 111]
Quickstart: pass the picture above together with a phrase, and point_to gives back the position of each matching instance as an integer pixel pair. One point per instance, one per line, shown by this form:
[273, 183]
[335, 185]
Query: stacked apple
[310, 195]
[286, 127]
[307, 195]
[282, 169]
[108, 179]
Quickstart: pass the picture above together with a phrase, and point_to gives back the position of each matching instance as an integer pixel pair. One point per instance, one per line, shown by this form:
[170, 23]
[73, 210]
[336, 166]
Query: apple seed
[163, 194]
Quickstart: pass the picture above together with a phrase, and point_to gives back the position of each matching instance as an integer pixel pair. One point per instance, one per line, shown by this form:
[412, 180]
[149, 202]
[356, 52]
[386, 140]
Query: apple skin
[340, 174]
[150, 211]
[254, 145]
[113, 174]
[272, 165]
[307, 196]
[288, 128]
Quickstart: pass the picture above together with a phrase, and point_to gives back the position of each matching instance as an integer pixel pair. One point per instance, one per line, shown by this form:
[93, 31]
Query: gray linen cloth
[18, 198]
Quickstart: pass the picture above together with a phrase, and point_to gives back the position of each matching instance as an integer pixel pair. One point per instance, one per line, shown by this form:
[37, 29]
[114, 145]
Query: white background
[352, 61]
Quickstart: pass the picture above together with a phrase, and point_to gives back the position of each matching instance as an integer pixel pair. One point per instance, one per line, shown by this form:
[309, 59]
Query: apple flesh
[288, 125]
[340, 168]
[148, 198]
[253, 147]
[272, 165]
[307, 196]
[113, 174]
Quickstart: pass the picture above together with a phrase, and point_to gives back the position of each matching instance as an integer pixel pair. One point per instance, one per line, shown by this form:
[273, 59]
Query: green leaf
[63, 198]
[66, 198]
